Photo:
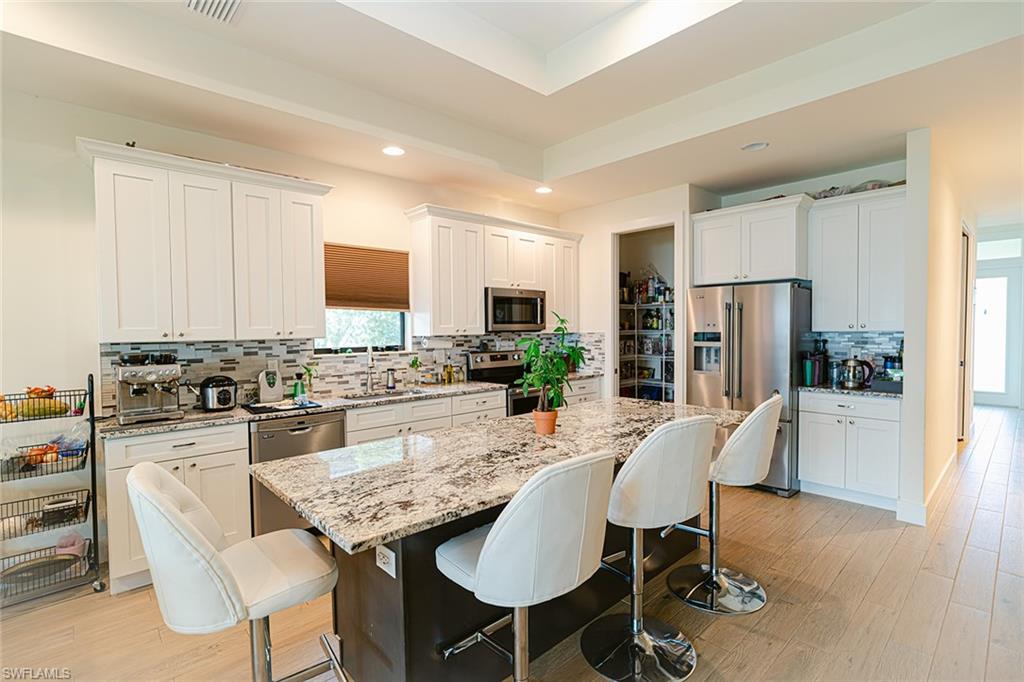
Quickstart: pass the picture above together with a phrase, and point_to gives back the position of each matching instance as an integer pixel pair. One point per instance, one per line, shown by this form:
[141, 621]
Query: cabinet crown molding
[433, 210]
[90, 149]
[796, 201]
[882, 193]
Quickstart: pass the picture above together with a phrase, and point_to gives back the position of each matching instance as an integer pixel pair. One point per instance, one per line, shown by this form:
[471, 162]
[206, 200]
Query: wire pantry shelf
[43, 571]
[43, 404]
[31, 461]
[38, 514]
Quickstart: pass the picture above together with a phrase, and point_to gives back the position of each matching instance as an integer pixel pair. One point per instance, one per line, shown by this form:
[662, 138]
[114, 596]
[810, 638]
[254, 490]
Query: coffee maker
[147, 387]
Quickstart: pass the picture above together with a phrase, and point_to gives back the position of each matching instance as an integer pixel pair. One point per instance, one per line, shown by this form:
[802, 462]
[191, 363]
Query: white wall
[49, 326]
[890, 172]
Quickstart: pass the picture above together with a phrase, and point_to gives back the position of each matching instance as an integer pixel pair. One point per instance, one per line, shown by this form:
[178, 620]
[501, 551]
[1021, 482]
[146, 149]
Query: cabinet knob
[851, 422]
[863, 324]
[278, 333]
[181, 333]
[850, 326]
[735, 276]
[745, 276]
[839, 421]
[175, 467]
[165, 335]
[290, 331]
[192, 465]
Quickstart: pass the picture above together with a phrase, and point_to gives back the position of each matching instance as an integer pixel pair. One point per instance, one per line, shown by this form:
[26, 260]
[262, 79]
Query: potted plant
[548, 371]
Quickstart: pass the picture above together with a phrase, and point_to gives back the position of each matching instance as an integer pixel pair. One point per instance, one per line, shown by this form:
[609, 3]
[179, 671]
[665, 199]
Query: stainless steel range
[502, 367]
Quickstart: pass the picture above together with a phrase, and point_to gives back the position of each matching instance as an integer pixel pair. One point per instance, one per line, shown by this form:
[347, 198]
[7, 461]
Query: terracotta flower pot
[544, 422]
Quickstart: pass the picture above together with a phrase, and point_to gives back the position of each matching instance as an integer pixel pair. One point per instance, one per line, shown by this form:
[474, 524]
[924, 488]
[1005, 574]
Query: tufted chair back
[747, 454]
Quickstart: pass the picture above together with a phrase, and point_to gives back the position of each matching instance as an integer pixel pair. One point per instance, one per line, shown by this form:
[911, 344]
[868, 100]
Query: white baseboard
[848, 495]
[911, 512]
[130, 582]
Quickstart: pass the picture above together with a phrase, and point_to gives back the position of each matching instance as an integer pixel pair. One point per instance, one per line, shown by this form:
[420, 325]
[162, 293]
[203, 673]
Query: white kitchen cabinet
[881, 264]
[823, 449]
[856, 253]
[259, 293]
[559, 278]
[716, 249]
[447, 277]
[203, 289]
[302, 255]
[133, 247]
[220, 480]
[513, 258]
[833, 267]
[751, 243]
[872, 456]
[367, 424]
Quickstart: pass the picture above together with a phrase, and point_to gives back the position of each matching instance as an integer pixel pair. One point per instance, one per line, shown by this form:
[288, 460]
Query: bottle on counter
[299, 390]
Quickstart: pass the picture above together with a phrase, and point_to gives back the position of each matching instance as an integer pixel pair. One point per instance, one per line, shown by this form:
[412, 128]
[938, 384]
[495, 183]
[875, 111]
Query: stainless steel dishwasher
[288, 437]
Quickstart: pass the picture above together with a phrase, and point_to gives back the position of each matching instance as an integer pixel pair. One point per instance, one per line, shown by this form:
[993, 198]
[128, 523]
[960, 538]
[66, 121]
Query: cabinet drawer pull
[846, 407]
[175, 467]
[839, 420]
[183, 445]
[192, 465]
[851, 422]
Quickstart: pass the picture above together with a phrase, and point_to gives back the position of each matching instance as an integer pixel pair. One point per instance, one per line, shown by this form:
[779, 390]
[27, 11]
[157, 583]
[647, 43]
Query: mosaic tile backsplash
[338, 374]
[868, 345]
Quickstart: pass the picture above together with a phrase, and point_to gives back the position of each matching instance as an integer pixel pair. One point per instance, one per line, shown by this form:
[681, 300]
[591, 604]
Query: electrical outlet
[386, 561]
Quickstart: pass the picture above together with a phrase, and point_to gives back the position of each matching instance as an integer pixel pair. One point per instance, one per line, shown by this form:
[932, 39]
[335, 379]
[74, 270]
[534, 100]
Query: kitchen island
[411, 494]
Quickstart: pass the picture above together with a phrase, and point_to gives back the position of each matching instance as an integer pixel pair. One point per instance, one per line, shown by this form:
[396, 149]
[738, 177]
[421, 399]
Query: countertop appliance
[502, 367]
[744, 343]
[147, 387]
[857, 373]
[218, 393]
[273, 439]
[515, 310]
[271, 390]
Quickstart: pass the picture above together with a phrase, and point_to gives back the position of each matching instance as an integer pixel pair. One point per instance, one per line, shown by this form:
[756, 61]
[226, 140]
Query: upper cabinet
[856, 262]
[753, 243]
[196, 251]
[456, 255]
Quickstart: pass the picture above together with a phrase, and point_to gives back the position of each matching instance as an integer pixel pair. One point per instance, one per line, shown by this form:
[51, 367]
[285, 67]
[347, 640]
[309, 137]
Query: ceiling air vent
[219, 10]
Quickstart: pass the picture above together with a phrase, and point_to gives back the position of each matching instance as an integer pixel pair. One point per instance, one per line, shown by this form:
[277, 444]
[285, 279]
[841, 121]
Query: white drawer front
[425, 425]
[159, 447]
[851, 406]
[478, 402]
[367, 435]
[585, 386]
[374, 417]
[427, 409]
[473, 417]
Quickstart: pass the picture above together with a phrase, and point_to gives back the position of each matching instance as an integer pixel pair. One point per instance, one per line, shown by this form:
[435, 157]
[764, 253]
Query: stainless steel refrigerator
[743, 343]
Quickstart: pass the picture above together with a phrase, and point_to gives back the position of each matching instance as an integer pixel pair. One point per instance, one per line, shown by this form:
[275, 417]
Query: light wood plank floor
[852, 594]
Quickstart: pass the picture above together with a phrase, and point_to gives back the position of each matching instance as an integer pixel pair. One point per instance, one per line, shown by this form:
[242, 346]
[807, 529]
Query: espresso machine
[147, 387]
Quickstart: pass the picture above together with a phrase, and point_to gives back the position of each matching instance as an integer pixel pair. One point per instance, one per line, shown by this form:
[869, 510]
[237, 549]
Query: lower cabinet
[219, 479]
[846, 451]
[368, 424]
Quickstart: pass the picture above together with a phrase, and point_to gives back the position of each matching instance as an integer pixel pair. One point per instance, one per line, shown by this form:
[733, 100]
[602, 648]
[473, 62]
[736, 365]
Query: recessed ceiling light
[543, 189]
[754, 146]
[392, 150]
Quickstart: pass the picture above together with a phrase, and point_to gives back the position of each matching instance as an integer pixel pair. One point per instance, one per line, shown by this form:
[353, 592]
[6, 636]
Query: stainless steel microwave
[515, 310]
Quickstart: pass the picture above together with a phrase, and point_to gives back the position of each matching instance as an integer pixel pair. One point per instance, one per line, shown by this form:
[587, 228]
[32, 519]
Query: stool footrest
[335, 659]
[483, 635]
[703, 532]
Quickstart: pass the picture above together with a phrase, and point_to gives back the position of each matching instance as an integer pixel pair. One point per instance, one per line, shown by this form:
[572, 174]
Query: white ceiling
[545, 24]
[832, 85]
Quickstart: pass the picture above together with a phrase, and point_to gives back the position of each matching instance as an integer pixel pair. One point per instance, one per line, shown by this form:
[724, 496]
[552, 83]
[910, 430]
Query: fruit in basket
[7, 411]
[42, 453]
[42, 407]
[40, 391]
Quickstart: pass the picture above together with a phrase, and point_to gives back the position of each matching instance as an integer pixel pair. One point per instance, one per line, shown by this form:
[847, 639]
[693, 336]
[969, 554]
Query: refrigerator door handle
[727, 351]
[739, 350]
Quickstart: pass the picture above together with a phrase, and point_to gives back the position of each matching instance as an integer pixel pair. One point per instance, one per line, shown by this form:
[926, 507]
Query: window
[354, 330]
[999, 248]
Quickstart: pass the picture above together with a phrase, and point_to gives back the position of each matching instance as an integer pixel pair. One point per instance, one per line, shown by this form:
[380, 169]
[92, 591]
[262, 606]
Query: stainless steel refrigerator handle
[727, 350]
[739, 346]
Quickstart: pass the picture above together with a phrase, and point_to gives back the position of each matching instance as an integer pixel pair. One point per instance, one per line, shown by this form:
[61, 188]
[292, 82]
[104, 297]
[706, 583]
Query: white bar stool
[744, 461]
[545, 543]
[662, 483]
[202, 586]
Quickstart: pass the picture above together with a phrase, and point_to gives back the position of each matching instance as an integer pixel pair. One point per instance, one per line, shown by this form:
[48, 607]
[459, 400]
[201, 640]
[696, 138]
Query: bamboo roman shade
[361, 277]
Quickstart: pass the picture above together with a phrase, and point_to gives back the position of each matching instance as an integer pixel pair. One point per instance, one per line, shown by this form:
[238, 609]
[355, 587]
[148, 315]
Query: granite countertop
[865, 392]
[366, 495]
[195, 419]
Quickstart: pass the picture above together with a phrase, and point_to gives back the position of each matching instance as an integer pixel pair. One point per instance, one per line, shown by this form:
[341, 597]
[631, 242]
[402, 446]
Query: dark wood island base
[394, 629]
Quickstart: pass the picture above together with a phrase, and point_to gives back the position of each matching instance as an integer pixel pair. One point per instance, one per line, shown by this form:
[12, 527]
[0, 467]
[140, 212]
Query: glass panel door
[997, 336]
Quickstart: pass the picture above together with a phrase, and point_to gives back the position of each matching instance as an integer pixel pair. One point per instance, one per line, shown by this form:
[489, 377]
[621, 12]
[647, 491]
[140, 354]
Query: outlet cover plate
[386, 561]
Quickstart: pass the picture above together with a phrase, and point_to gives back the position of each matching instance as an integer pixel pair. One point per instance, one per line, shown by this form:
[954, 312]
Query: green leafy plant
[548, 370]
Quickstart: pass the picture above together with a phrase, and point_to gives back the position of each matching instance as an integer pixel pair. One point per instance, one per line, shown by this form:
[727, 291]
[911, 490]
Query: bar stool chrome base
[730, 594]
[659, 653]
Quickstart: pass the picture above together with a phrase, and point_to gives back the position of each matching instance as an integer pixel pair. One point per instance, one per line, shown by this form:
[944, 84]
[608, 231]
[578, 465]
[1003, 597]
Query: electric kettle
[857, 373]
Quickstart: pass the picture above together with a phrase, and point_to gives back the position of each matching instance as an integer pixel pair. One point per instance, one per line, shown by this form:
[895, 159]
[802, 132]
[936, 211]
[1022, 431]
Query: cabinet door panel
[768, 242]
[302, 248]
[127, 555]
[526, 261]
[822, 449]
[498, 257]
[256, 218]
[567, 282]
[833, 268]
[716, 250]
[449, 299]
[201, 258]
[880, 291]
[221, 481]
[472, 278]
[872, 456]
[549, 255]
[133, 247]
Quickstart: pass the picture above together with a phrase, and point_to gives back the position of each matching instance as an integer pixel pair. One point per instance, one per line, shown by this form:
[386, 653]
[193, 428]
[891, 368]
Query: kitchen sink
[376, 395]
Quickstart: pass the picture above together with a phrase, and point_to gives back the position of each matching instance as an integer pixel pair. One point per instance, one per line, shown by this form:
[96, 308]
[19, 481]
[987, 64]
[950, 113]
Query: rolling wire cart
[30, 574]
